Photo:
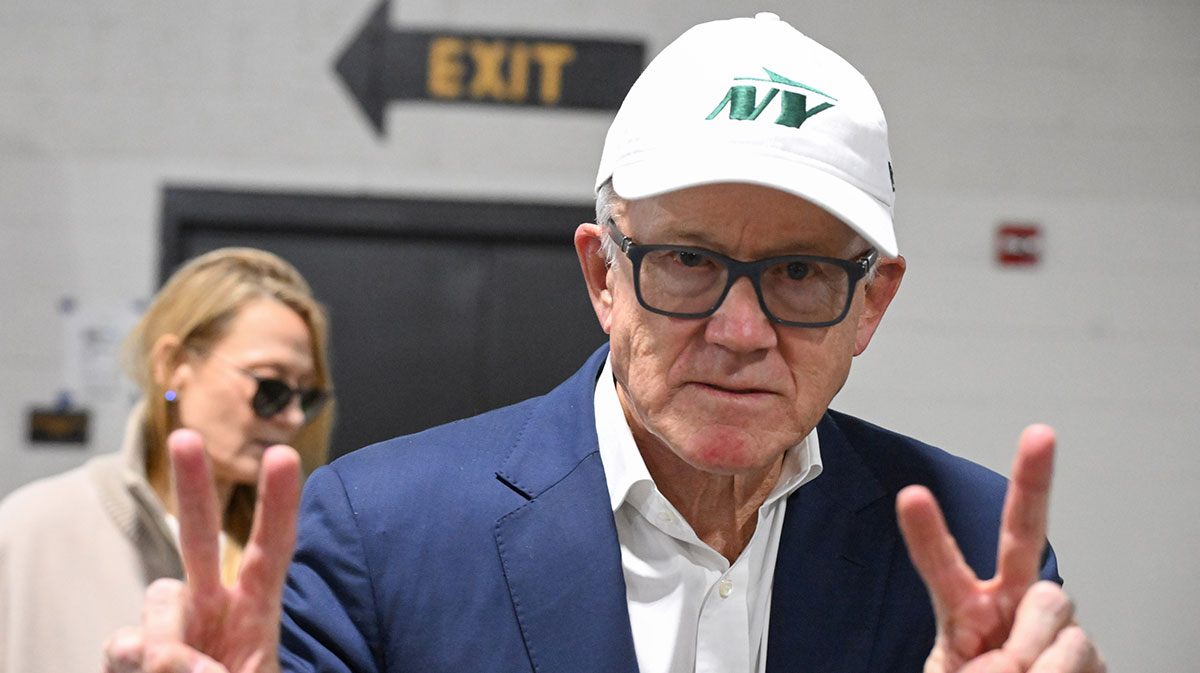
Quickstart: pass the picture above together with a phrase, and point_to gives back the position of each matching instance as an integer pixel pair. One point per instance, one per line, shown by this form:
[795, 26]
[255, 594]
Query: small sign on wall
[59, 426]
[1018, 244]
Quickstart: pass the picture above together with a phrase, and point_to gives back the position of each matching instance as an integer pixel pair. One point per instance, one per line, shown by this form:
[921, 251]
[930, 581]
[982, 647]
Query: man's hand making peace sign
[1006, 623]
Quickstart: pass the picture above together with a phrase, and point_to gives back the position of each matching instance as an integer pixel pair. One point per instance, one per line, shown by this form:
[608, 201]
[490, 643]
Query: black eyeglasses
[273, 395]
[795, 290]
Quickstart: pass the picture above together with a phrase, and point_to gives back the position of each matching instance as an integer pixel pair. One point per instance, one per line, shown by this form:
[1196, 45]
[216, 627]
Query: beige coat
[77, 551]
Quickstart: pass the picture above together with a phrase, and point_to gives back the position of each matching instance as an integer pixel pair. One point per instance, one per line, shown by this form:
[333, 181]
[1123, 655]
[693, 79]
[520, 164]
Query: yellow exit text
[449, 57]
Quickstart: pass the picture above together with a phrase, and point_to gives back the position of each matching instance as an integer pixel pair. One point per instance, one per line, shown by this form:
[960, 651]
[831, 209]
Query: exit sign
[383, 64]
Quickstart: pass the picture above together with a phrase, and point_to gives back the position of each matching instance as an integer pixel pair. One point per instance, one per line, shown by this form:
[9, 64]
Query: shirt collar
[625, 470]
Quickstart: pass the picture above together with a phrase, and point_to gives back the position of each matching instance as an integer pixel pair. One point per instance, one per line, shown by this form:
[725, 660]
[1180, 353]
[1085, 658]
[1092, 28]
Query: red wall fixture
[1018, 244]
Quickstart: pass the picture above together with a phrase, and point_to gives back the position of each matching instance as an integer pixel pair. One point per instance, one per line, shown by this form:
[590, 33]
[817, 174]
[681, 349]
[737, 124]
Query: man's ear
[588, 238]
[169, 363]
[878, 295]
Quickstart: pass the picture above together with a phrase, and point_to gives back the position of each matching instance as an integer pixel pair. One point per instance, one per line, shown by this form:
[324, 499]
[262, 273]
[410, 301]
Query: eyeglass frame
[856, 269]
[323, 395]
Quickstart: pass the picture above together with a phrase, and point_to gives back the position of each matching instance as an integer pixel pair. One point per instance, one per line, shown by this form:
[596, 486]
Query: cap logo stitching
[742, 100]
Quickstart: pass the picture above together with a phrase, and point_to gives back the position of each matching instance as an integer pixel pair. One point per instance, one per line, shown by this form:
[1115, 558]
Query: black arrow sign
[382, 64]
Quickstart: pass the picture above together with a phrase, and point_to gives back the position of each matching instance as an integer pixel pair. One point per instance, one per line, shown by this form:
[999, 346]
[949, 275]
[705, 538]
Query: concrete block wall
[1080, 115]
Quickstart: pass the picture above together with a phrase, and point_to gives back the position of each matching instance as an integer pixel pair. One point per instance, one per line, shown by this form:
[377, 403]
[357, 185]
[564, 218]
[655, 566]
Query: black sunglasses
[273, 395]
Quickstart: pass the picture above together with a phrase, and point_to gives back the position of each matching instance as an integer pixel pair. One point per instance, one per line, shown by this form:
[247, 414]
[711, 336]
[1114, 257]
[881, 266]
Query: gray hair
[607, 201]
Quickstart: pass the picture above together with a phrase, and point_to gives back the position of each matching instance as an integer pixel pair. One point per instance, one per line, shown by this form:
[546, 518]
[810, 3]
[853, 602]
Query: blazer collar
[559, 433]
[559, 550]
[838, 542]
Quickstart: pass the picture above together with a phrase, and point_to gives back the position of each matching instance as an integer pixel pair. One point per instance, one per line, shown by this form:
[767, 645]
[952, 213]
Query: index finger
[933, 550]
[199, 521]
[1026, 508]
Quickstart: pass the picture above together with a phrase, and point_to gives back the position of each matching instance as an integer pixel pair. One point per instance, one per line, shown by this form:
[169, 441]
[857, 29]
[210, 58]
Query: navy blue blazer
[488, 544]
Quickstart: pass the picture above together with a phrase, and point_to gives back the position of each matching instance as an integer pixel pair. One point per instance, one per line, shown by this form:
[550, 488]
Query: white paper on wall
[91, 351]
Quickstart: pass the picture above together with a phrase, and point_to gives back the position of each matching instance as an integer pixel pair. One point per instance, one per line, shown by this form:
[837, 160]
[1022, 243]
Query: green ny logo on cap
[793, 106]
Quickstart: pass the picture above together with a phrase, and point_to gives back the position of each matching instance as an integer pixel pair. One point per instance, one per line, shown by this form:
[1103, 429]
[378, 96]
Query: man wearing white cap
[686, 501]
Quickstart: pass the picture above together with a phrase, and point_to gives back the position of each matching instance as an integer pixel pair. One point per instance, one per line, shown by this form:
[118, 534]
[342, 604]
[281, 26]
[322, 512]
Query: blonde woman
[234, 347]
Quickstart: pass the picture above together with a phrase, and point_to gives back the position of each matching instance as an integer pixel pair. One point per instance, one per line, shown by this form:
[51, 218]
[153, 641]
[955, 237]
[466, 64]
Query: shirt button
[725, 588]
[666, 515]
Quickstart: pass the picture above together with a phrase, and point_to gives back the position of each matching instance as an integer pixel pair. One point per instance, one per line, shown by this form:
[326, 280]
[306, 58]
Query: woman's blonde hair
[196, 306]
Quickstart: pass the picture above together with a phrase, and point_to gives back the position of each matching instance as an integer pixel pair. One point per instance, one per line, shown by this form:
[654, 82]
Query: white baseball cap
[756, 101]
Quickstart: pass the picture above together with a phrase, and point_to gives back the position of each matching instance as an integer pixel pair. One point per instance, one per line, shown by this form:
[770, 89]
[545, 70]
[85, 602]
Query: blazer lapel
[838, 540]
[559, 550]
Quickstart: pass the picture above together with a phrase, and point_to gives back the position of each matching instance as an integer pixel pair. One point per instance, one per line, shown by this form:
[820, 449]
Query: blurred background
[424, 164]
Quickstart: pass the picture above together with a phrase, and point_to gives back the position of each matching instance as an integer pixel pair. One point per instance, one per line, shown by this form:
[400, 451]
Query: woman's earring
[170, 396]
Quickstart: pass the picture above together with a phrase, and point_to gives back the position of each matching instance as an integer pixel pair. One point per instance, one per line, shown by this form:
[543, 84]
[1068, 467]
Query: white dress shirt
[690, 609]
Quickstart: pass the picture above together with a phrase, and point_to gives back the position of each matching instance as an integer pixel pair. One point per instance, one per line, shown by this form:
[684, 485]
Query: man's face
[729, 393]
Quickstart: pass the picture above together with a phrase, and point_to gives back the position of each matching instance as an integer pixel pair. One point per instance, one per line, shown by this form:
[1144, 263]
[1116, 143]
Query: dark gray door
[430, 321]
